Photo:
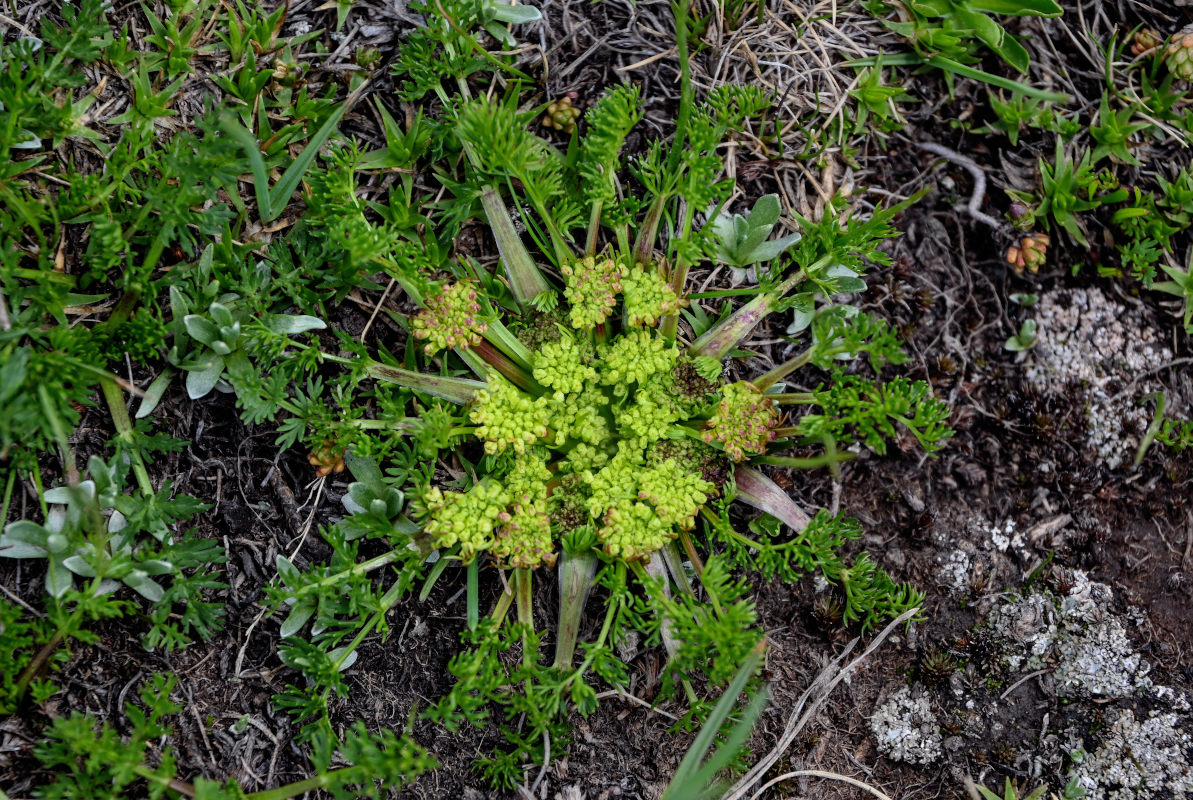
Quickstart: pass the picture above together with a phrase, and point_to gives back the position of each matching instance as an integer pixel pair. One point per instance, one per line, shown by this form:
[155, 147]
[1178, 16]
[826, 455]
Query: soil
[1128, 528]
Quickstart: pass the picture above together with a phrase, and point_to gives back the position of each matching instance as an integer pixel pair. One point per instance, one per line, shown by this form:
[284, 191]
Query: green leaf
[272, 202]
[693, 780]
[299, 614]
[200, 382]
[58, 578]
[201, 329]
[516, 15]
[1013, 53]
[23, 539]
[155, 393]
[286, 324]
[1018, 8]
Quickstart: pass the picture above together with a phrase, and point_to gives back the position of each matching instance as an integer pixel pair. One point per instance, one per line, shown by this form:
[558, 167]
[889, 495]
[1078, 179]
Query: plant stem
[594, 228]
[454, 390]
[503, 605]
[526, 279]
[644, 245]
[523, 584]
[794, 399]
[689, 548]
[68, 457]
[510, 345]
[484, 356]
[125, 431]
[173, 784]
[576, 571]
[720, 340]
[764, 382]
[674, 563]
[473, 594]
[757, 490]
[360, 568]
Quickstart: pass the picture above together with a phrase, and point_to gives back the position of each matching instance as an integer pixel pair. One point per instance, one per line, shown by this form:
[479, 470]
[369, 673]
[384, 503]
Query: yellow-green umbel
[744, 422]
[468, 518]
[649, 298]
[450, 319]
[506, 417]
[592, 286]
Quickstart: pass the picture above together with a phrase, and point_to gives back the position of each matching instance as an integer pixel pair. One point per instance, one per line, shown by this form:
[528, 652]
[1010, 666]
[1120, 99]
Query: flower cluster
[676, 495]
[562, 114]
[467, 518]
[648, 297]
[450, 319]
[616, 482]
[327, 458]
[744, 421]
[598, 448]
[633, 530]
[1179, 55]
[527, 481]
[634, 358]
[591, 289]
[645, 421]
[524, 542]
[562, 366]
[506, 417]
[1029, 253]
[580, 416]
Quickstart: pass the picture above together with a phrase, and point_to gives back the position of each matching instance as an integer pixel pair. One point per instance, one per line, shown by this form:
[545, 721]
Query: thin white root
[815, 773]
[974, 208]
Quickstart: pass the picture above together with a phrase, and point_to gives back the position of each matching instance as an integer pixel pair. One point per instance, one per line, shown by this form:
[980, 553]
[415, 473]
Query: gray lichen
[1078, 637]
[906, 728]
[1140, 760]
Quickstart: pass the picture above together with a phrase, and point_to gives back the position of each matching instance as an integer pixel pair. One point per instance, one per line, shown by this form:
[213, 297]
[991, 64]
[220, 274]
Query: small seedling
[1025, 339]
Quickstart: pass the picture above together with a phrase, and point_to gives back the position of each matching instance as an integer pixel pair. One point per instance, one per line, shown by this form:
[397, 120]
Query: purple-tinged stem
[720, 340]
[755, 489]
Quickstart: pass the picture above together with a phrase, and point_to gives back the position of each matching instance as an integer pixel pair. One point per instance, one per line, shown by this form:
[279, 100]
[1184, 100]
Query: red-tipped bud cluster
[592, 289]
[524, 542]
[562, 114]
[450, 319]
[1029, 253]
[1179, 55]
[327, 458]
[1144, 41]
[744, 422]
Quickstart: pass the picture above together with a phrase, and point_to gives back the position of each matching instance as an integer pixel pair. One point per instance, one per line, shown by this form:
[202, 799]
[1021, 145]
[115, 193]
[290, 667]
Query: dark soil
[947, 290]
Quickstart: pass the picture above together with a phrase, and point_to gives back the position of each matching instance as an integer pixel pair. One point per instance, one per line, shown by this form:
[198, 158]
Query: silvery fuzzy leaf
[58, 578]
[199, 383]
[79, 566]
[338, 653]
[286, 324]
[298, 617]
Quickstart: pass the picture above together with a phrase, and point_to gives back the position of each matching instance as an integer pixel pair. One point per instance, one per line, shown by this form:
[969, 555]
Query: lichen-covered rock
[906, 729]
[1077, 637]
[1092, 345]
[1099, 662]
[1140, 760]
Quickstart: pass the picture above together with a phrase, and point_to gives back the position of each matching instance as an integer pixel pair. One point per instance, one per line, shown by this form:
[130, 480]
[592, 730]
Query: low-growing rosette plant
[607, 429]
